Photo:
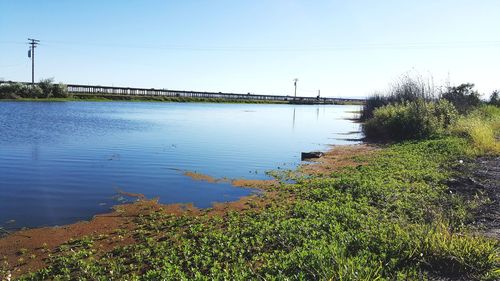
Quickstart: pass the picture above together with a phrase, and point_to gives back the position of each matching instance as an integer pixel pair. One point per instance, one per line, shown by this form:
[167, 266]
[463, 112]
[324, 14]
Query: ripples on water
[61, 162]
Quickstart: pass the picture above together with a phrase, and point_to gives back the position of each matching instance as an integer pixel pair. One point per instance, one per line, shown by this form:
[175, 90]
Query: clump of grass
[491, 115]
[481, 127]
[456, 254]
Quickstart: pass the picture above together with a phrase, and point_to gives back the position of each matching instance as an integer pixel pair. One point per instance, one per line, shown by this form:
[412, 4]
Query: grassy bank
[141, 99]
[390, 216]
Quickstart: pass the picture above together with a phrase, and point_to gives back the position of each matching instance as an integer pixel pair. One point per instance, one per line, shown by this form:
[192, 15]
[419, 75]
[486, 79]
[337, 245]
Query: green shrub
[13, 90]
[373, 102]
[407, 89]
[463, 97]
[51, 90]
[494, 98]
[44, 89]
[412, 120]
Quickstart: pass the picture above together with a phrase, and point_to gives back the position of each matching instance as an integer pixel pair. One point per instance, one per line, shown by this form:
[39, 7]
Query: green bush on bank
[463, 97]
[411, 120]
[44, 89]
[410, 89]
[406, 89]
[495, 98]
[412, 111]
[52, 90]
[19, 90]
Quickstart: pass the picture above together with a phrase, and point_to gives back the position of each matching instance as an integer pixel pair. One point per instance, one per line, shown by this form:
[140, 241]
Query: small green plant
[22, 251]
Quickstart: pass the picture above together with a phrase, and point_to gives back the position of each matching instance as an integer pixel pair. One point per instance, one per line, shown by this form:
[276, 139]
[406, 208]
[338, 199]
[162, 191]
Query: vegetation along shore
[418, 201]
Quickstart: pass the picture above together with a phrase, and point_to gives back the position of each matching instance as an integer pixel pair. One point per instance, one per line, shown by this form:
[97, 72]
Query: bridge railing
[108, 90]
[128, 91]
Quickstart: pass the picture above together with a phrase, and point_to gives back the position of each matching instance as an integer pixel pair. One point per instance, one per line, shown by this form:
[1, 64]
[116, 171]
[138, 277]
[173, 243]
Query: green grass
[390, 219]
[482, 128]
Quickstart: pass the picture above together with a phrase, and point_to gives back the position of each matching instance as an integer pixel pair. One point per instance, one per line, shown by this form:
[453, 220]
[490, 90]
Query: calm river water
[61, 162]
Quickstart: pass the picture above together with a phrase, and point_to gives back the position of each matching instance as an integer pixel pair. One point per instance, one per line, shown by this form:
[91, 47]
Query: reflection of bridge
[122, 91]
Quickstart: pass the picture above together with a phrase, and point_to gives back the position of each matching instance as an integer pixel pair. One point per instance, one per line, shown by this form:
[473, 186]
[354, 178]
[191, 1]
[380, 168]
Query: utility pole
[31, 54]
[295, 85]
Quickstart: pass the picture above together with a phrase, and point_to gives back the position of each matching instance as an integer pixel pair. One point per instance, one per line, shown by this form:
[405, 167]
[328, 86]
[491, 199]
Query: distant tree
[495, 98]
[46, 86]
[463, 97]
[51, 90]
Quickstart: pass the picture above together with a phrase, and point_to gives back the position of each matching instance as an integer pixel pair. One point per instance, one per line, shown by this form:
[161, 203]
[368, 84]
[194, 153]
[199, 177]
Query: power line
[31, 54]
[317, 48]
[12, 65]
[12, 42]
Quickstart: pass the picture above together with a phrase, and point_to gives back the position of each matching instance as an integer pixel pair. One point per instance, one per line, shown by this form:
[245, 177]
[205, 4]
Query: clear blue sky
[344, 48]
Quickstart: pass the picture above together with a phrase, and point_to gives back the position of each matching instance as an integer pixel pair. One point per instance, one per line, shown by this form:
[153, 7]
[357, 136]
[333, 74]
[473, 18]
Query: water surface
[61, 162]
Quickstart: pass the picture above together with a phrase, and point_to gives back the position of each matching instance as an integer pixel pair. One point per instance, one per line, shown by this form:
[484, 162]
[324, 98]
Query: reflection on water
[64, 161]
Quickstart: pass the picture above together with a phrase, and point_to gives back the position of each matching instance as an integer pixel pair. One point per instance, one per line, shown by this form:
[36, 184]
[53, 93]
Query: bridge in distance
[90, 90]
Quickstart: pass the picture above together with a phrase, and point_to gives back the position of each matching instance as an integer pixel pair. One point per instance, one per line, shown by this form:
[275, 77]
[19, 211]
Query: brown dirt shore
[27, 250]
